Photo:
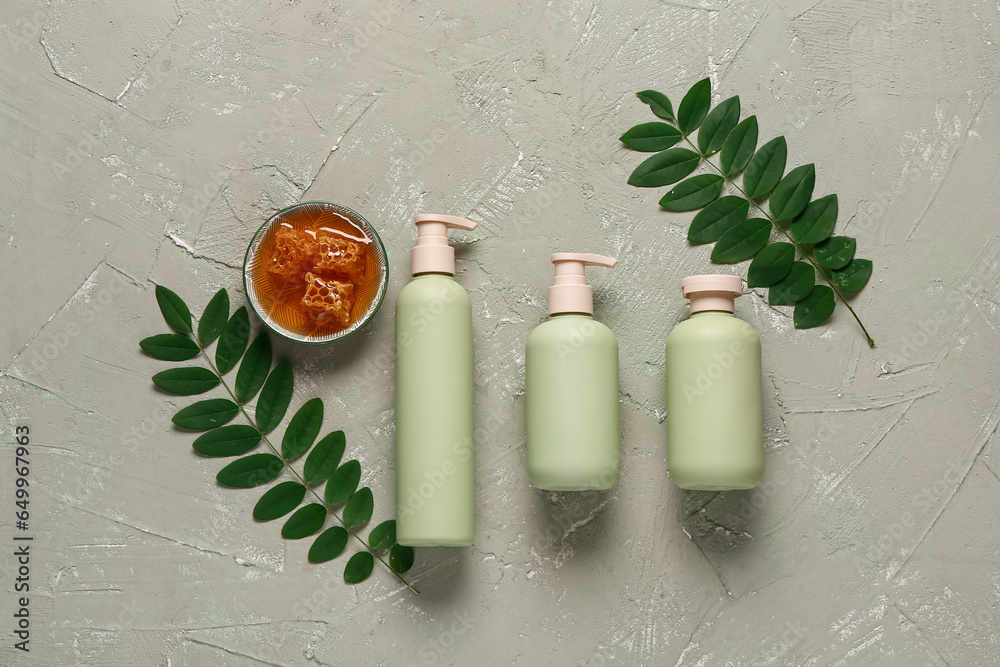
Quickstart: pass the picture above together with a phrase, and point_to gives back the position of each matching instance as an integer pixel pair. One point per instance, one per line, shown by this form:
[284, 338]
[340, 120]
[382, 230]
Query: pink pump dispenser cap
[570, 293]
[712, 291]
[432, 254]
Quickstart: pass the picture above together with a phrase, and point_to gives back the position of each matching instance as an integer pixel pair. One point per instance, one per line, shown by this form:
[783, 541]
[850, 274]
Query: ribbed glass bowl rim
[300, 338]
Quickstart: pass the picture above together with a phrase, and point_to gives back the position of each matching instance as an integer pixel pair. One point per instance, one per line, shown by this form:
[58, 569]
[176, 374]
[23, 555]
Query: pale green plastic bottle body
[571, 404]
[715, 422]
[434, 448]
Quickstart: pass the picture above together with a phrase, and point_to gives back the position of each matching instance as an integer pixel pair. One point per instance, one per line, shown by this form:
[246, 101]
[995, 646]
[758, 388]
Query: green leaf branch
[783, 200]
[219, 438]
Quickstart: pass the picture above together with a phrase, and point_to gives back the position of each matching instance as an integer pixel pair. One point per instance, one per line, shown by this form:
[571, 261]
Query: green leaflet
[719, 122]
[186, 381]
[328, 545]
[816, 222]
[693, 193]
[305, 522]
[174, 310]
[383, 535]
[658, 103]
[213, 321]
[359, 508]
[274, 397]
[771, 265]
[278, 501]
[717, 218]
[324, 458]
[232, 341]
[250, 471]
[359, 567]
[854, 276]
[836, 252]
[206, 414]
[342, 483]
[302, 430]
[815, 309]
[740, 146]
[742, 241]
[231, 440]
[254, 367]
[664, 168]
[694, 106]
[400, 558]
[170, 347]
[792, 193]
[649, 137]
[793, 287]
[765, 168]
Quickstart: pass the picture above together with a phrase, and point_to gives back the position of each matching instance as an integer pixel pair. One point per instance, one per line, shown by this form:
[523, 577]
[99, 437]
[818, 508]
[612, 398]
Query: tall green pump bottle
[434, 449]
[715, 422]
[571, 387]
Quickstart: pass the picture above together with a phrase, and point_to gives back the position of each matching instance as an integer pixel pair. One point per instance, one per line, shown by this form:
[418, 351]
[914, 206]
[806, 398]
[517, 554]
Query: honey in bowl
[316, 272]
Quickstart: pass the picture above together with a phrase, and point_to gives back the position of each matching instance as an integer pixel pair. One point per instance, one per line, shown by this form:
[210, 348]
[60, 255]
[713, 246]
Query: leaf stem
[322, 501]
[808, 256]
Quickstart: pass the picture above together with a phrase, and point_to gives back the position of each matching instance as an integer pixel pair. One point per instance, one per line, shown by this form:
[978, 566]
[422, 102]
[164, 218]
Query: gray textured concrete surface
[144, 142]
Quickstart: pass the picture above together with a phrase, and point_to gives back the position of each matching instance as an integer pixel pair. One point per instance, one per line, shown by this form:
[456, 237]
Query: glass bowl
[274, 301]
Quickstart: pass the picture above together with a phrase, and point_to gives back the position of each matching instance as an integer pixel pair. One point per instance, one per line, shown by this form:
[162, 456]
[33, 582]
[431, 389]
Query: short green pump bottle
[715, 422]
[571, 387]
[434, 448]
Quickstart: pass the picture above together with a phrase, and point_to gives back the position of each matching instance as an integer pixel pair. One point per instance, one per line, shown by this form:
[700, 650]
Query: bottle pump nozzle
[712, 291]
[570, 293]
[432, 254]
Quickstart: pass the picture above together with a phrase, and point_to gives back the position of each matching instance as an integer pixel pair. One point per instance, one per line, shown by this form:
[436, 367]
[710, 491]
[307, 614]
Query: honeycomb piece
[339, 255]
[330, 300]
[293, 253]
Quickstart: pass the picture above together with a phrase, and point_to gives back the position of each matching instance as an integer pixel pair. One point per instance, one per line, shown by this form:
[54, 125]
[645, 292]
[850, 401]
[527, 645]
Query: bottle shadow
[564, 524]
[720, 522]
[446, 571]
